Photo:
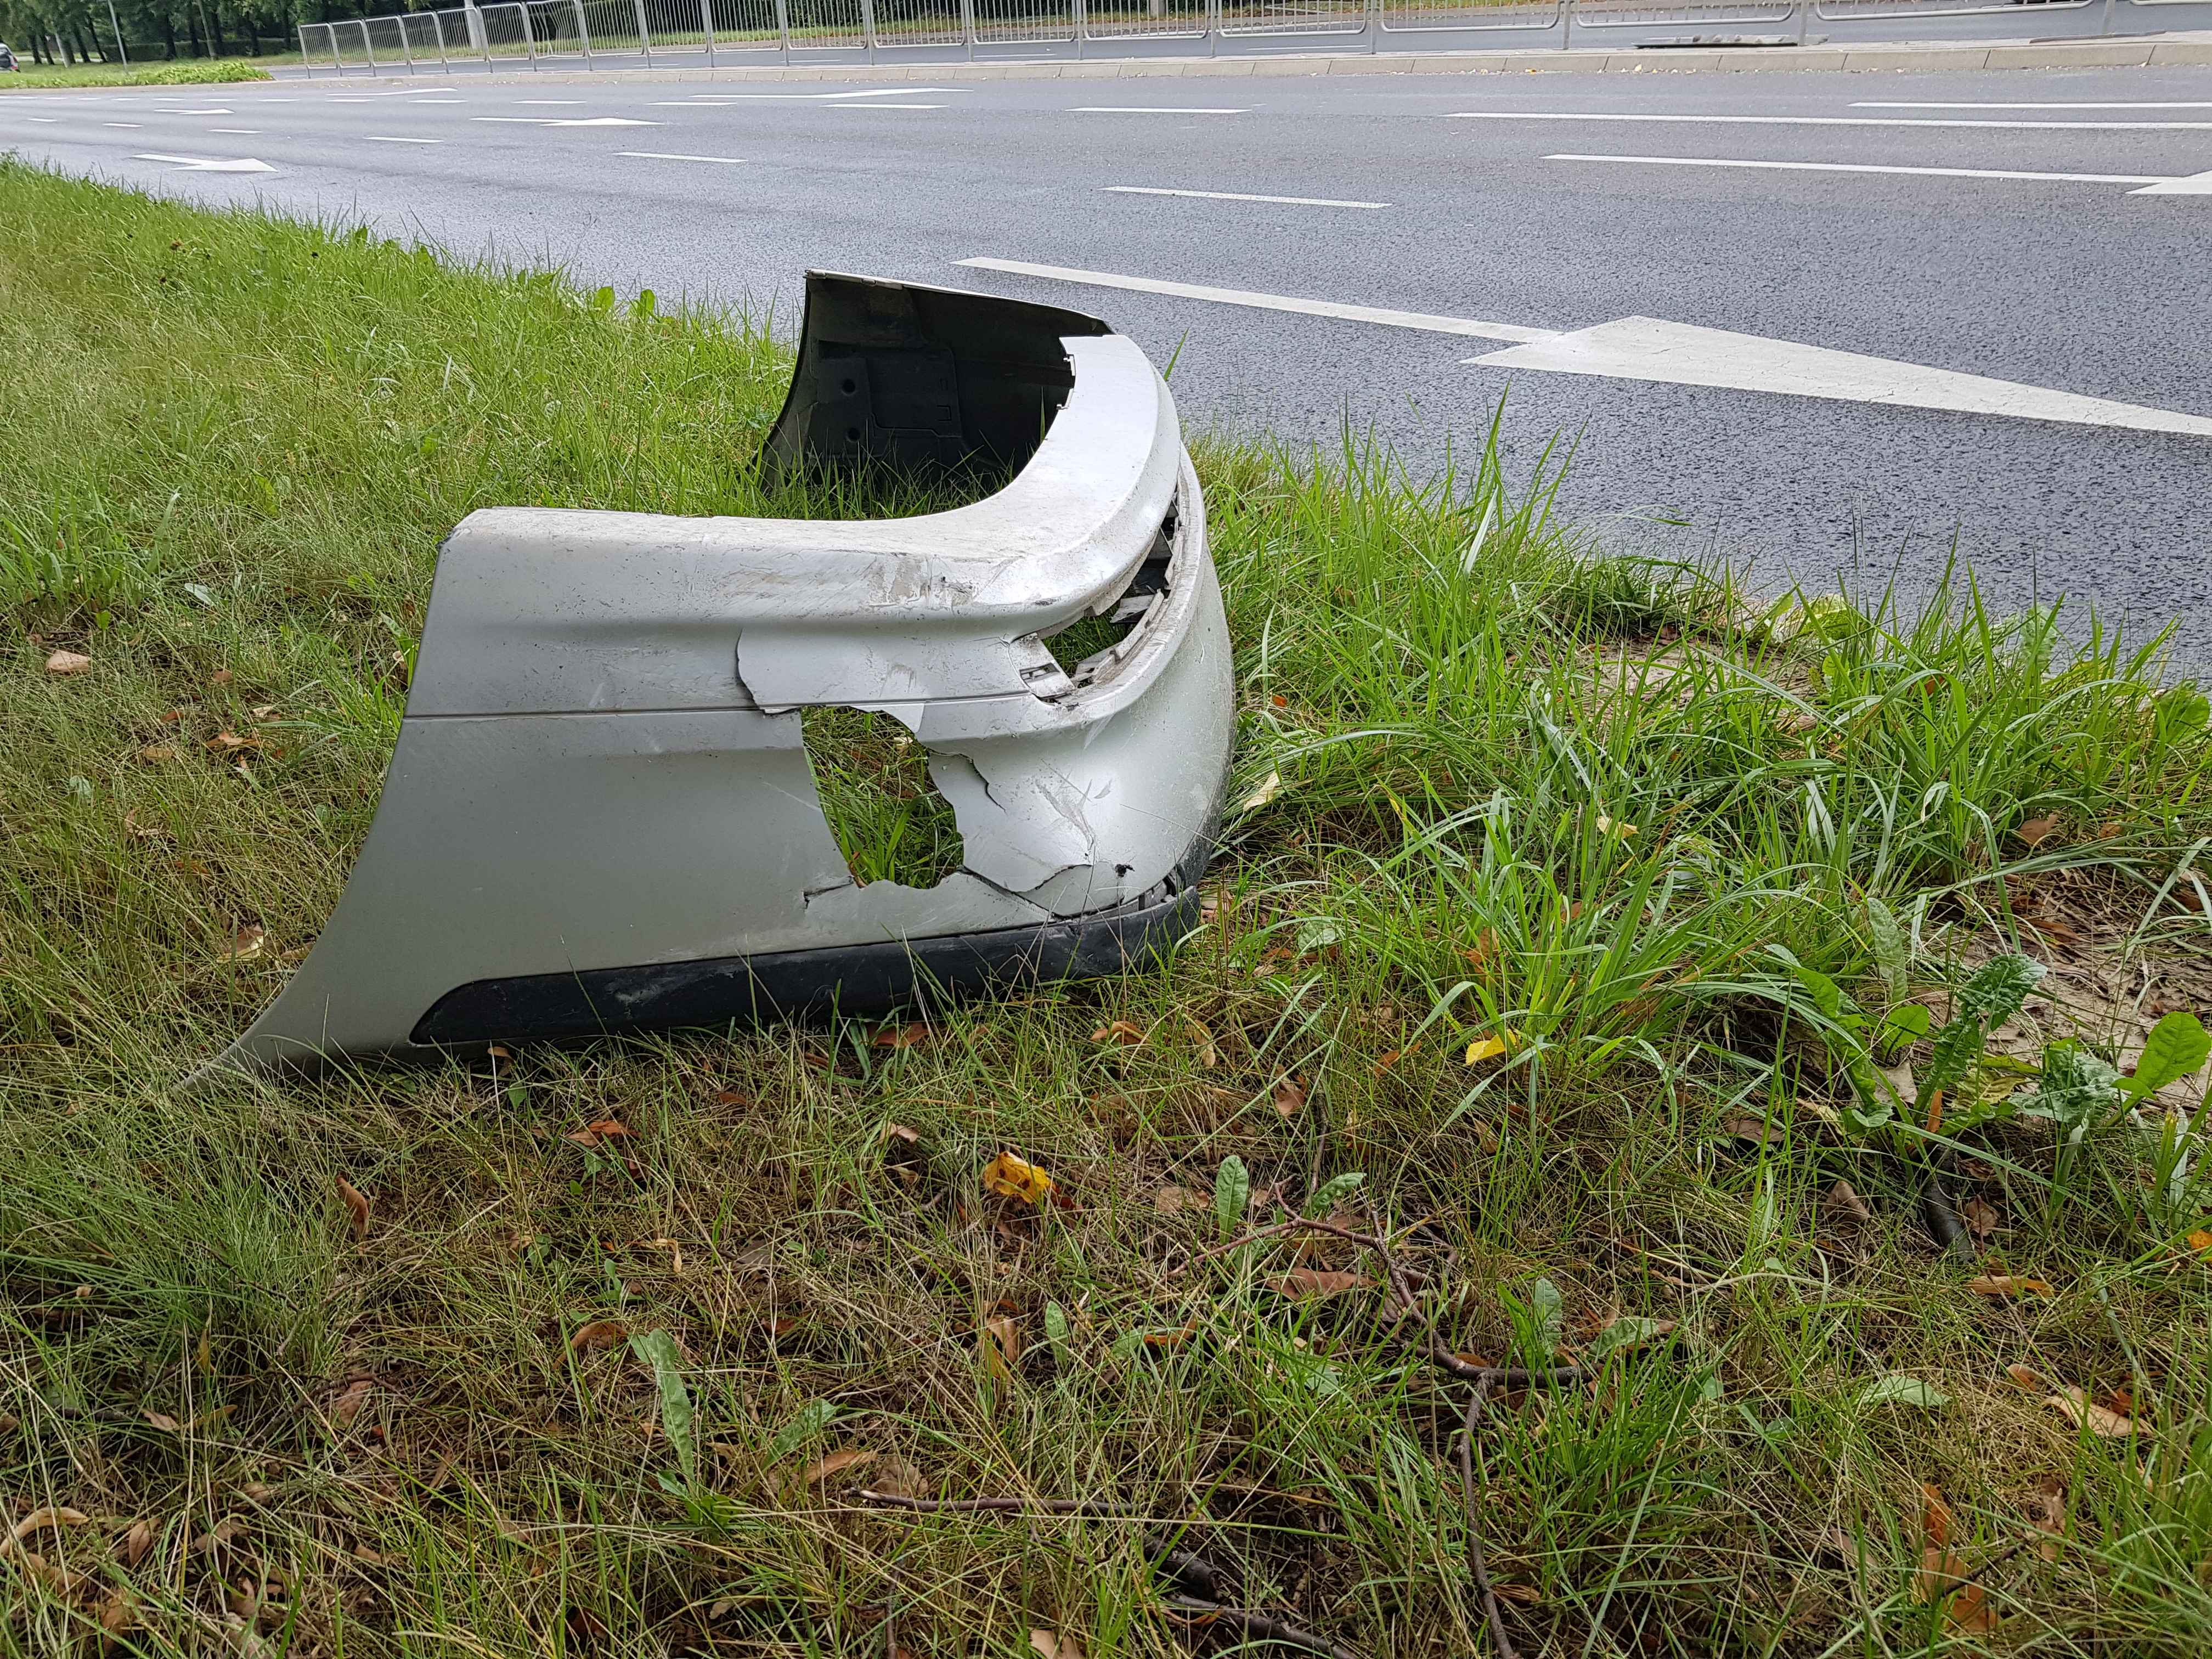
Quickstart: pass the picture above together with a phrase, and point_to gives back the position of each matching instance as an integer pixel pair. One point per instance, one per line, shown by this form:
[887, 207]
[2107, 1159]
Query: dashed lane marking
[1236, 196]
[1867, 166]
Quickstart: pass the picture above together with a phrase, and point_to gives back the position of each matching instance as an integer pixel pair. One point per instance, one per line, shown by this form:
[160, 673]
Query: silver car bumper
[600, 816]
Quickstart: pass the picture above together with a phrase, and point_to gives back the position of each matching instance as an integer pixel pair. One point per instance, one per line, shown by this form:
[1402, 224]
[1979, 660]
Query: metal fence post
[2108, 28]
[406, 52]
[644, 40]
[483, 35]
[967, 27]
[367, 47]
[583, 34]
[783, 29]
[1566, 24]
[1374, 27]
[438, 29]
[1213, 28]
[306, 65]
[868, 27]
[706, 25]
[1804, 6]
[1080, 14]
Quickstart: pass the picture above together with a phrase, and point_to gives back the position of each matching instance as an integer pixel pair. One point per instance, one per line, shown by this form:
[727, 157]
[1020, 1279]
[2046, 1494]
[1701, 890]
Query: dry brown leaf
[245, 944]
[1289, 1096]
[356, 1203]
[583, 1138]
[346, 1407]
[1843, 1202]
[68, 662]
[1201, 1042]
[2201, 1240]
[1980, 1217]
[2025, 1378]
[2008, 1285]
[1175, 1200]
[1120, 1031]
[837, 1462]
[220, 676]
[2083, 1412]
[118, 1612]
[1752, 1128]
[130, 1548]
[1934, 1514]
[1314, 1284]
[1016, 1177]
[1970, 1610]
[2036, 829]
[900, 1132]
[675, 1252]
[731, 1098]
[158, 751]
[598, 1336]
[163, 1421]
[43, 1519]
[1051, 1644]
[607, 1129]
[1000, 1345]
[2046, 1512]
[896, 1477]
[904, 1037]
[1526, 1595]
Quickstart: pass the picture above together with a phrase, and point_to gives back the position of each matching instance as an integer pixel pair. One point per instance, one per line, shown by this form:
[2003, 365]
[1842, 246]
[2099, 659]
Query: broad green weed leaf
[2177, 1046]
[1990, 998]
[1827, 996]
[1897, 1389]
[1232, 1191]
[1908, 1022]
[1333, 1191]
[658, 1350]
[1056, 1334]
[1629, 1331]
[1891, 955]
[805, 1425]
[2076, 1089]
[1551, 1310]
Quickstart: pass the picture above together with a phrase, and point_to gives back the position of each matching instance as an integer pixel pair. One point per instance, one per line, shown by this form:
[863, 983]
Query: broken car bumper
[600, 814]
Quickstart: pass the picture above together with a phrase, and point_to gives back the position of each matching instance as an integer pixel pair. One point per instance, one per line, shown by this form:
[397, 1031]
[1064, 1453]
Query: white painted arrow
[1646, 349]
[1681, 354]
[201, 164]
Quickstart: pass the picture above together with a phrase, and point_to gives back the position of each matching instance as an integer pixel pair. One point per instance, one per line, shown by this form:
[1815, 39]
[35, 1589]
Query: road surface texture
[1894, 240]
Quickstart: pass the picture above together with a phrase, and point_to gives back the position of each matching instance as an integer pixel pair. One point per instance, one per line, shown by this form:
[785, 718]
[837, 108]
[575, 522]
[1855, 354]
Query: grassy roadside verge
[195, 73]
[1561, 887]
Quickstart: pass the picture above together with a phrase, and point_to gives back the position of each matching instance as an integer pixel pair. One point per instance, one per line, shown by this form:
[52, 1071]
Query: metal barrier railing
[694, 32]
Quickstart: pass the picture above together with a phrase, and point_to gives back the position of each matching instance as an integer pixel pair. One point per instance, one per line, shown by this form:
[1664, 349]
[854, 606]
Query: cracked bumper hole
[873, 781]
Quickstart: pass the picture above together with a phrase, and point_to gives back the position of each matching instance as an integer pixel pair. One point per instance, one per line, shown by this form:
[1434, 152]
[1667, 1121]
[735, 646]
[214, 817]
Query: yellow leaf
[1000, 1345]
[1490, 1047]
[1607, 826]
[68, 662]
[2200, 1240]
[2101, 1421]
[1055, 1644]
[2008, 1284]
[1266, 791]
[1012, 1178]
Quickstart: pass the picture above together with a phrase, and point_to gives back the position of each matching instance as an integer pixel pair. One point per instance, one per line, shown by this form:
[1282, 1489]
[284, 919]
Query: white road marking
[167, 110]
[238, 132]
[1112, 109]
[201, 164]
[663, 156]
[133, 125]
[1233, 196]
[2195, 183]
[705, 100]
[1862, 166]
[1831, 121]
[1232, 296]
[380, 139]
[1873, 104]
[358, 97]
[43, 120]
[885, 107]
[563, 102]
[1647, 349]
[555, 121]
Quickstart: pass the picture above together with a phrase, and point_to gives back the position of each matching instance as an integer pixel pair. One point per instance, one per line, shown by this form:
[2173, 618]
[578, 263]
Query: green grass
[226, 485]
[192, 72]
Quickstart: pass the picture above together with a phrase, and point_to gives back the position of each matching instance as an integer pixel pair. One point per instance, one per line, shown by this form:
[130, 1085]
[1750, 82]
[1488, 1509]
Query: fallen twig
[995, 1505]
[1257, 1626]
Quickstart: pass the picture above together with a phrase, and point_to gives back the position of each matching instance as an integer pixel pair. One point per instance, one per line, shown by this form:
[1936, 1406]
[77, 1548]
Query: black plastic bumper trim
[860, 979]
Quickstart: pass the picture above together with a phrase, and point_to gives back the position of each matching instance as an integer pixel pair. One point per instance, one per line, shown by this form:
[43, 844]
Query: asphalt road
[2075, 285]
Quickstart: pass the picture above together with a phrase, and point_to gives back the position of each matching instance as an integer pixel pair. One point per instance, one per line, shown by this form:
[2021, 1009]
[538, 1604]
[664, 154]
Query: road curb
[2150, 52]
